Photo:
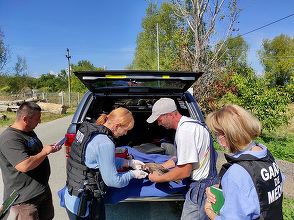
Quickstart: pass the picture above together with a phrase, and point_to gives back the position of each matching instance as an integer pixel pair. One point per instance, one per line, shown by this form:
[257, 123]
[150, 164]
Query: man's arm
[179, 172]
[33, 161]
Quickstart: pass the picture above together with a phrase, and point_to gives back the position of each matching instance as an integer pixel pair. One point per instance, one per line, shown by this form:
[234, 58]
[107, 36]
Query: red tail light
[70, 137]
[122, 152]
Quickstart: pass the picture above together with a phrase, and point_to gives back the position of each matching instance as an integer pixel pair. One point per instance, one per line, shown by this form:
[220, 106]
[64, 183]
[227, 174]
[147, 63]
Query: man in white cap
[196, 156]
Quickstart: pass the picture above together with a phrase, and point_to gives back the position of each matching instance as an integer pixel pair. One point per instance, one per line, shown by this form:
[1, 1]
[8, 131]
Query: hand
[210, 197]
[154, 177]
[207, 204]
[57, 147]
[139, 174]
[50, 149]
[136, 164]
[209, 210]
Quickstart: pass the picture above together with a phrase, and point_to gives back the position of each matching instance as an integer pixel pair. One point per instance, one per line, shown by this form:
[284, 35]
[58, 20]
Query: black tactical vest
[267, 180]
[80, 178]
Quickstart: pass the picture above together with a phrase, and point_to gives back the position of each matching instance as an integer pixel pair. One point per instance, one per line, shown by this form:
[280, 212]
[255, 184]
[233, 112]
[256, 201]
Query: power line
[267, 25]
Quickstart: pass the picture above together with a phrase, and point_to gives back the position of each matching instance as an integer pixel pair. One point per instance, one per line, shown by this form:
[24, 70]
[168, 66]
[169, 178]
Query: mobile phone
[61, 142]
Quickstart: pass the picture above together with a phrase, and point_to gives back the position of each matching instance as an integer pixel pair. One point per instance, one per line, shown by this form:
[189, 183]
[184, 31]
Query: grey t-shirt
[15, 147]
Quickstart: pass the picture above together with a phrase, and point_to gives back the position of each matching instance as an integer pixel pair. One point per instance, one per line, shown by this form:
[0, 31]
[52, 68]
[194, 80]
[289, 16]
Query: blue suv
[137, 91]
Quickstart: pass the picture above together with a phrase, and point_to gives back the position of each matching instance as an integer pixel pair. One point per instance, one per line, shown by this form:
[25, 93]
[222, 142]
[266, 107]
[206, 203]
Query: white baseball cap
[160, 107]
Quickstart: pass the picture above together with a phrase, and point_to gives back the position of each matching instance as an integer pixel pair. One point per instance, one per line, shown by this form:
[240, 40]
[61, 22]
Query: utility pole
[69, 72]
[157, 46]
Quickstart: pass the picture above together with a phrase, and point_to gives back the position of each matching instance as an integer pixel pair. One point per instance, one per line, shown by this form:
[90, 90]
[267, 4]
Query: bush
[269, 105]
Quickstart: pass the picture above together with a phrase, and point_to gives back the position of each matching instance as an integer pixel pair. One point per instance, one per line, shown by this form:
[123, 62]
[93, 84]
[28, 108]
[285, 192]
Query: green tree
[18, 83]
[4, 83]
[289, 88]
[145, 55]
[207, 26]
[50, 83]
[233, 54]
[4, 52]
[83, 65]
[277, 57]
[21, 67]
[269, 105]
[62, 76]
[202, 19]
[169, 39]
[233, 60]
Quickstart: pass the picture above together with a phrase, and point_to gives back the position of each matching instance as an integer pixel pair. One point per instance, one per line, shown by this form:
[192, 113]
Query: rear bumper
[176, 198]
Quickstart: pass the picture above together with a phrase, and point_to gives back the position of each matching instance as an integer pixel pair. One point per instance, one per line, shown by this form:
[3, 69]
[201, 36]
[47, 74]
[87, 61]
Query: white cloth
[192, 141]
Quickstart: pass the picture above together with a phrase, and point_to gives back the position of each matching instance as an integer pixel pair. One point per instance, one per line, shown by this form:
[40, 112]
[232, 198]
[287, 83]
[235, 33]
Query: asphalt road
[51, 132]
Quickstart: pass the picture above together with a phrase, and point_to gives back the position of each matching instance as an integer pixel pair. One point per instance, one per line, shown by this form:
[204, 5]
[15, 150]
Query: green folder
[219, 199]
[8, 203]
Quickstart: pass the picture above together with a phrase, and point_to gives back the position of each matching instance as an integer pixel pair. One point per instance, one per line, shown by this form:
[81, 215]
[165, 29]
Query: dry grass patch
[46, 116]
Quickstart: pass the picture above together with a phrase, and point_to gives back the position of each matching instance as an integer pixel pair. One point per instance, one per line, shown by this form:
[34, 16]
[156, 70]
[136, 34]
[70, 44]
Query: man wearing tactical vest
[92, 165]
[251, 180]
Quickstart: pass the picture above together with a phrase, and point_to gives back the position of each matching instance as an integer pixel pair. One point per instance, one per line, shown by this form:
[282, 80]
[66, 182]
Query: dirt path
[287, 169]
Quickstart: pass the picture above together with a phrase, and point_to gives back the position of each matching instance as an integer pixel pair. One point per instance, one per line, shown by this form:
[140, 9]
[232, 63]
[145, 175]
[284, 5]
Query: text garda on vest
[268, 174]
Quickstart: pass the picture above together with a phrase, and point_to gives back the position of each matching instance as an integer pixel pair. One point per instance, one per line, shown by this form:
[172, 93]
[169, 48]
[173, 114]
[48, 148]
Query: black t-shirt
[15, 147]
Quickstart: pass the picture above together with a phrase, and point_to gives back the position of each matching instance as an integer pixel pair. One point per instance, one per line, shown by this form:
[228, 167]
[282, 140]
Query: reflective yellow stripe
[205, 159]
[115, 76]
[124, 77]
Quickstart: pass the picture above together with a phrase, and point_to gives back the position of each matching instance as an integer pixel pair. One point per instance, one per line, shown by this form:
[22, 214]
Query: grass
[10, 116]
[288, 209]
[282, 147]
[46, 116]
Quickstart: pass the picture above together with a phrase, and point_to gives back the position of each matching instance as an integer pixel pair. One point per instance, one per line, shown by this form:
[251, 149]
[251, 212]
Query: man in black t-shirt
[25, 166]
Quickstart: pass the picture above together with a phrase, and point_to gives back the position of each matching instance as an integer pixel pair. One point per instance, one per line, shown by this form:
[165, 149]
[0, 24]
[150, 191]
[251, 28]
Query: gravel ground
[287, 169]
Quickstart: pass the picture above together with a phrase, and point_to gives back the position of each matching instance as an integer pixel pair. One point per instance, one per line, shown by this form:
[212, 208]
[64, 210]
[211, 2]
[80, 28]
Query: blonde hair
[119, 115]
[238, 126]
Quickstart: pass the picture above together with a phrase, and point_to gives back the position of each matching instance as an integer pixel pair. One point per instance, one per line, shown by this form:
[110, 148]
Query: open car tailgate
[135, 81]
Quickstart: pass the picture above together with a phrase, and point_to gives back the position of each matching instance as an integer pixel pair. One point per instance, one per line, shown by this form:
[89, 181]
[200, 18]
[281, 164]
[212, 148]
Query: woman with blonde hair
[92, 165]
[251, 180]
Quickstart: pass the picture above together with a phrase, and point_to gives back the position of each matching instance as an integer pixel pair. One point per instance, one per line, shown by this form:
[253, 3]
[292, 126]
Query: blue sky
[105, 32]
